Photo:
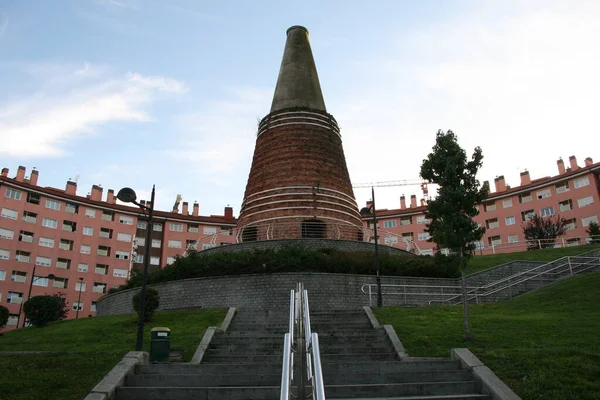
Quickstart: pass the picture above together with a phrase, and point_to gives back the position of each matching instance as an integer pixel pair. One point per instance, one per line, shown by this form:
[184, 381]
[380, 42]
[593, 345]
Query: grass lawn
[85, 350]
[480, 263]
[544, 345]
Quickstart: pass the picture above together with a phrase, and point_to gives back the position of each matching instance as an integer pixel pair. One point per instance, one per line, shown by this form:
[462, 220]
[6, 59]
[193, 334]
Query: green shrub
[41, 310]
[3, 316]
[151, 304]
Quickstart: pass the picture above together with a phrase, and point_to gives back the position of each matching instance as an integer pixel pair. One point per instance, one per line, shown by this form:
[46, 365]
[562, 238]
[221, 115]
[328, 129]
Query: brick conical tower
[299, 185]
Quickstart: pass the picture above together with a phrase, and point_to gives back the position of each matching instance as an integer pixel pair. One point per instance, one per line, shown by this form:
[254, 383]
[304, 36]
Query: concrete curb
[398, 346]
[372, 317]
[116, 377]
[208, 335]
[490, 383]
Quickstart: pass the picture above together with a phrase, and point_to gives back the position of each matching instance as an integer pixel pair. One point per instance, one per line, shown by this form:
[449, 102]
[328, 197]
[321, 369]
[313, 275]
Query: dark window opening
[250, 234]
[313, 229]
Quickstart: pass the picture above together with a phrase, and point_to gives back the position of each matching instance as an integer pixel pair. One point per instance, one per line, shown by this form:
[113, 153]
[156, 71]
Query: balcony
[15, 300]
[71, 209]
[68, 228]
[101, 252]
[60, 284]
[64, 246]
[62, 265]
[107, 217]
[100, 270]
[30, 219]
[565, 207]
[105, 235]
[18, 278]
[23, 258]
[526, 199]
[27, 238]
[98, 289]
[493, 225]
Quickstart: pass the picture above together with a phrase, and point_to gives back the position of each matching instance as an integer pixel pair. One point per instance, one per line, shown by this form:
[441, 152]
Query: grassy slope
[480, 263]
[544, 345]
[86, 349]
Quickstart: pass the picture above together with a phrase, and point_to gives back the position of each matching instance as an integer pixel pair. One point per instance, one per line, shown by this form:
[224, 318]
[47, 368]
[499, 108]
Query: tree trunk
[465, 306]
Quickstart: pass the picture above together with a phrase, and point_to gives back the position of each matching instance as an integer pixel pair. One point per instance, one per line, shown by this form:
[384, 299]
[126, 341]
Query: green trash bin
[160, 344]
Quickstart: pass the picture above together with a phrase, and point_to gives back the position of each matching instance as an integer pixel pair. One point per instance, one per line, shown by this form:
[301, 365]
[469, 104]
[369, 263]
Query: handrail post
[570, 266]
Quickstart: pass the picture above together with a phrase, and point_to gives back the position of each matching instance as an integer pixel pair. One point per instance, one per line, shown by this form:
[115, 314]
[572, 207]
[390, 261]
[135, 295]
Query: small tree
[151, 304]
[4, 314]
[64, 305]
[451, 213]
[541, 232]
[594, 231]
[41, 310]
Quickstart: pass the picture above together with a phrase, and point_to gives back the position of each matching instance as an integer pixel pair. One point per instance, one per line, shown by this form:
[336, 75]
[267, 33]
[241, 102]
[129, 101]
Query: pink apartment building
[88, 243]
[573, 193]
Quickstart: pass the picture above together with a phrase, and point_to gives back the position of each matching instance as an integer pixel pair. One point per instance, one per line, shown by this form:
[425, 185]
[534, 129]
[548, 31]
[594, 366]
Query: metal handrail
[287, 370]
[313, 356]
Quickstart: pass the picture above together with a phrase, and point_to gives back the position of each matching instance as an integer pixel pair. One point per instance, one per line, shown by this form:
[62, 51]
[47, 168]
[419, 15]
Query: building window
[525, 198]
[6, 234]
[69, 226]
[527, 215]
[587, 220]
[126, 220]
[141, 224]
[122, 255]
[4, 254]
[506, 203]
[108, 216]
[546, 212]
[43, 261]
[99, 287]
[123, 237]
[579, 183]
[65, 244]
[492, 223]
[63, 263]
[405, 220]
[103, 251]
[72, 208]
[88, 230]
[90, 213]
[571, 223]
[49, 223]
[52, 204]
[389, 224]
[8, 213]
[85, 249]
[250, 234]
[14, 298]
[23, 256]
[174, 244]
[509, 221]
[46, 242]
[140, 241]
[101, 269]
[513, 238]
[26, 237]
[542, 194]
[82, 267]
[106, 233]
[120, 273]
[30, 217]
[157, 227]
[427, 252]
[93, 307]
[60, 283]
[80, 286]
[138, 259]
[18, 277]
[210, 230]
[33, 198]
[310, 229]
[173, 227]
[154, 260]
[156, 243]
[170, 260]
[78, 306]
[585, 201]
[566, 205]
[13, 194]
[489, 206]
[2, 275]
[422, 220]
[423, 236]
[494, 240]
[562, 187]
[193, 228]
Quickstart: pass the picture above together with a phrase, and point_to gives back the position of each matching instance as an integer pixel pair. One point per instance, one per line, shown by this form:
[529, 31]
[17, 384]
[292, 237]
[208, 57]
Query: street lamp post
[33, 279]
[377, 265]
[127, 195]
[79, 298]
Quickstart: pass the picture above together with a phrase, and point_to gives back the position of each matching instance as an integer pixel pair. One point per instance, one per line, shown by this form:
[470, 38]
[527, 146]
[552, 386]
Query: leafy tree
[541, 232]
[64, 305]
[151, 304]
[593, 230]
[41, 310]
[4, 314]
[451, 213]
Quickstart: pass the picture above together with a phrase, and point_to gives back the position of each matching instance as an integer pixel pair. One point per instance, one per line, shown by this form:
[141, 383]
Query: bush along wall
[294, 258]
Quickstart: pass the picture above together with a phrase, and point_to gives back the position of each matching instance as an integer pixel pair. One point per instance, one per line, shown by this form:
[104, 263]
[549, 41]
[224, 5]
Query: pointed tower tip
[298, 82]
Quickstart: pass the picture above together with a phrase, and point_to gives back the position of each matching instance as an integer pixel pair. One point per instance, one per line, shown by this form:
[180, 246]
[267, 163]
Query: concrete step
[357, 349]
[400, 389]
[397, 377]
[243, 358]
[352, 367]
[204, 393]
[217, 380]
[364, 357]
[241, 352]
[208, 368]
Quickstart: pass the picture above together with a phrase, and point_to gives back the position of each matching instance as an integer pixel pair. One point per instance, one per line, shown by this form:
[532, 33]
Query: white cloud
[522, 85]
[41, 123]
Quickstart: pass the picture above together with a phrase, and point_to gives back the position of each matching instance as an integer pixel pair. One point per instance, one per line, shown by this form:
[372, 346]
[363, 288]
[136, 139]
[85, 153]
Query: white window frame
[157, 227]
[80, 286]
[43, 261]
[585, 221]
[46, 242]
[85, 249]
[52, 204]
[507, 203]
[9, 213]
[125, 220]
[174, 244]
[13, 194]
[544, 213]
[2, 275]
[507, 219]
[543, 194]
[389, 224]
[175, 227]
[81, 268]
[156, 243]
[120, 272]
[123, 237]
[90, 213]
[209, 230]
[140, 241]
[154, 260]
[142, 224]
[88, 231]
[122, 255]
[581, 182]
[423, 236]
[585, 201]
[4, 254]
[8, 234]
[511, 237]
[78, 306]
[48, 222]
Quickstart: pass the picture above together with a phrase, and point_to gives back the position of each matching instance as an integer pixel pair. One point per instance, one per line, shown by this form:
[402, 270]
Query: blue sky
[136, 92]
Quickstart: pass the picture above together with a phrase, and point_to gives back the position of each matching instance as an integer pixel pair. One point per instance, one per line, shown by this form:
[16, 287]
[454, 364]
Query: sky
[141, 92]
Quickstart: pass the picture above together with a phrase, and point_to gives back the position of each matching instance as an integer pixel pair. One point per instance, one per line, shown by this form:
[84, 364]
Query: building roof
[298, 83]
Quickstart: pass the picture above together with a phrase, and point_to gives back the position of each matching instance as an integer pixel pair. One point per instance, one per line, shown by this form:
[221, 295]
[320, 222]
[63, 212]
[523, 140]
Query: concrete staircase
[360, 362]
[244, 363]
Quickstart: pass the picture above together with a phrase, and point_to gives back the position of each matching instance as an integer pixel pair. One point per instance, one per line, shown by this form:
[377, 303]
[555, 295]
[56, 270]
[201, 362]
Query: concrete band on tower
[299, 186]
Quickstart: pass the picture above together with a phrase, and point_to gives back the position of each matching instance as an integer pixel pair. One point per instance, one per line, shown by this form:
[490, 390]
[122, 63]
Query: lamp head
[51, 276]
[365, 210]
[127, 195]
[80, 279]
